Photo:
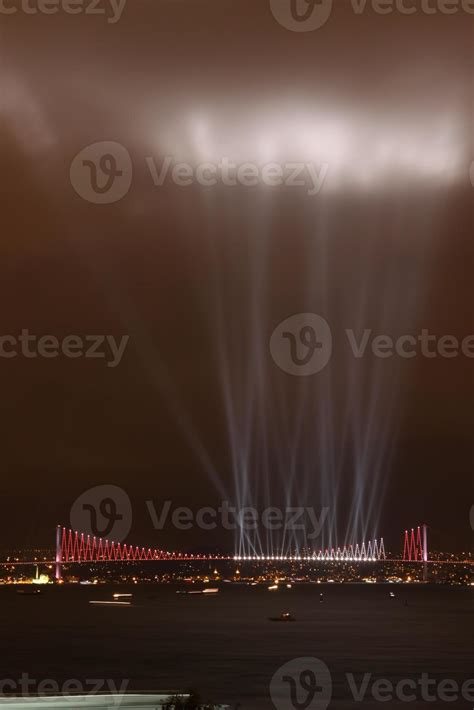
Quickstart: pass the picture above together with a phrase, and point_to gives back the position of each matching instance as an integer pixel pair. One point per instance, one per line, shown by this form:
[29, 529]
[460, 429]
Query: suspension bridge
[73, 547]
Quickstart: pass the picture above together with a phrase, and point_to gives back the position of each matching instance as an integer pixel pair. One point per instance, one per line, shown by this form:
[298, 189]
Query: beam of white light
[25, 116]
[361, 150]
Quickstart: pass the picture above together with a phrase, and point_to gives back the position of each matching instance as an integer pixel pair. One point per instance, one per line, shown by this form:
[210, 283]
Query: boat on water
[101, 701]
[285, 616]
[208, 590]
[28, 591]
[107, 602]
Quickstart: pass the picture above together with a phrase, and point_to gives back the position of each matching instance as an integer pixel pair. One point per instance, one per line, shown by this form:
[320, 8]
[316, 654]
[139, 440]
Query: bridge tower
[425, 552]
[415, 548]
[59, 554]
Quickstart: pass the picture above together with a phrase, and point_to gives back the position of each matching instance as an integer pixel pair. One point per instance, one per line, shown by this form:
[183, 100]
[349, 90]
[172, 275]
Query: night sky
[199, 277]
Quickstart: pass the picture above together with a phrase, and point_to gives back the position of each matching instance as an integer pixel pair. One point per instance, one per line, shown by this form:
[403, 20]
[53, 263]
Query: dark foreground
[225, 646]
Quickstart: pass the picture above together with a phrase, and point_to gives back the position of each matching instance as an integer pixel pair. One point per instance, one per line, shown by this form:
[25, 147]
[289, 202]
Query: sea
[349, 646]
